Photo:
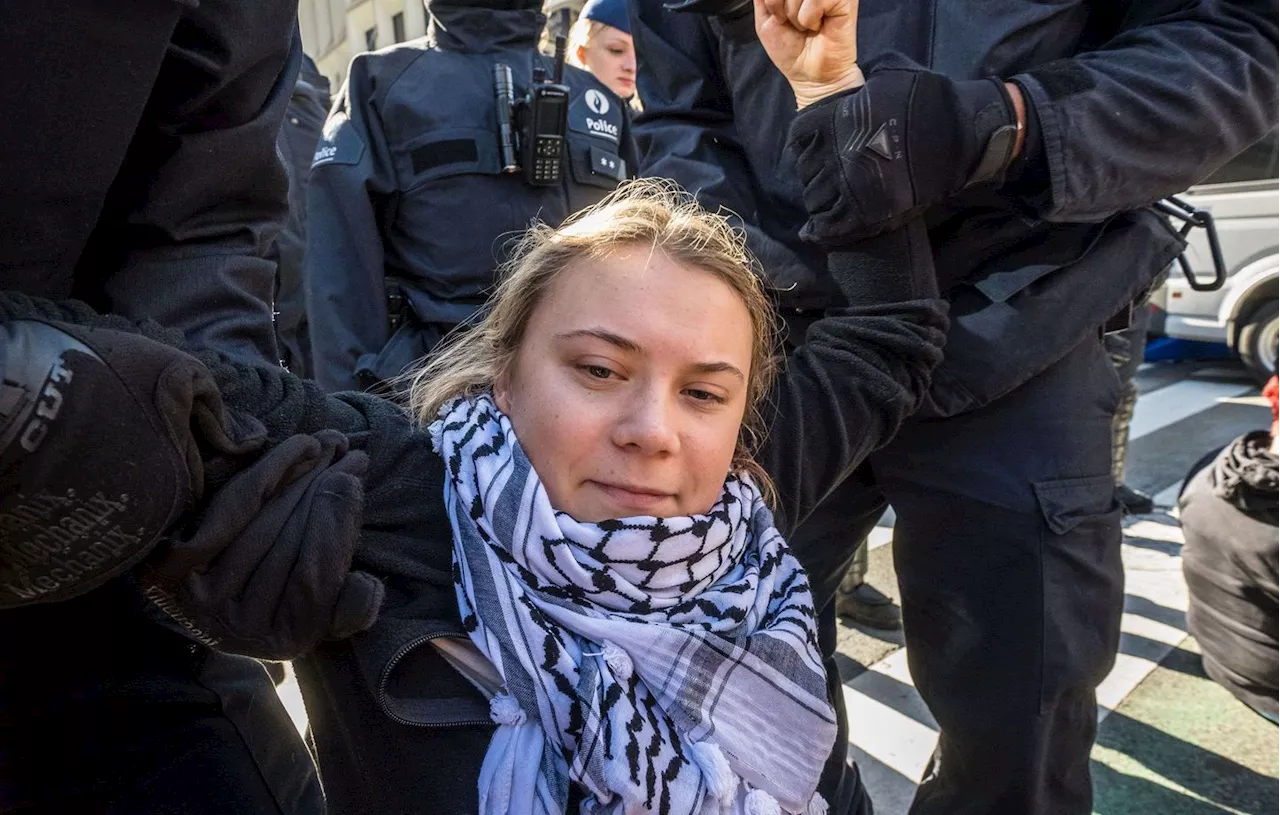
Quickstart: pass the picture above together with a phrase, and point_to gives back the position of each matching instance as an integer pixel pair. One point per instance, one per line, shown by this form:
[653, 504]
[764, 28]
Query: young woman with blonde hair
[605, 578]
[589, 602]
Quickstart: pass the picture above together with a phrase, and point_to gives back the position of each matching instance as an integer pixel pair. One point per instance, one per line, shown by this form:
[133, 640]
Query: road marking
[1153, 579]
[896, 740]
[879, 536]
[1174, 403]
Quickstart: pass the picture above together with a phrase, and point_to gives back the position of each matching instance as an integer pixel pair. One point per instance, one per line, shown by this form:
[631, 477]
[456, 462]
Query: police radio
[535, 145]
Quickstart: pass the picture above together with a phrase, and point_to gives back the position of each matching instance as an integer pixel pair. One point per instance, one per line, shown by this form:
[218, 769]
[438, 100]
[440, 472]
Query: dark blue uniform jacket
[303, 121]
[406, 185]
[1130, 102]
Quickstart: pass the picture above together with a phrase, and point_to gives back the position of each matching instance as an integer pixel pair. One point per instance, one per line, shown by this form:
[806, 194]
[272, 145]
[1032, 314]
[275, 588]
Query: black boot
[865, 604]
[1135, 502]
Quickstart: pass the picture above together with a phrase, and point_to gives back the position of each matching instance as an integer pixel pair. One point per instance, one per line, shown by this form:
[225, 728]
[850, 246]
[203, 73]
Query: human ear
[502, 391]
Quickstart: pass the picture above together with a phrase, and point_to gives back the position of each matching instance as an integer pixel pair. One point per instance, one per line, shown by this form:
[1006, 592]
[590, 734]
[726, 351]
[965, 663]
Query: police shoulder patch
[339, 144]
[598, 114]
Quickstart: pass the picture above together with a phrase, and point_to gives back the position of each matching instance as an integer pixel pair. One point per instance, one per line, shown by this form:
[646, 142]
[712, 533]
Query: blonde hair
[581, 34]
[645, 212]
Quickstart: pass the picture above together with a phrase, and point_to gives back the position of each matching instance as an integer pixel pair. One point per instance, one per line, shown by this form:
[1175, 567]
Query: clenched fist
[814, 43]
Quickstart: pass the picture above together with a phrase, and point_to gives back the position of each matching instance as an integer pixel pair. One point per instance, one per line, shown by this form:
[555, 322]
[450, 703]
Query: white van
[1244, 198]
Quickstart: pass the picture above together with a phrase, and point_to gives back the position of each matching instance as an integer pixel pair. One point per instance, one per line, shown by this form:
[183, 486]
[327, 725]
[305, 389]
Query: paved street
[1170, 740]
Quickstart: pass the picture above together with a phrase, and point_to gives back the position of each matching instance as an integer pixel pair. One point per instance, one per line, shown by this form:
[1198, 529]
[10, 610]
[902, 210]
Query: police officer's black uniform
[1007, 542]
[140, 175]
[409, 209]
[303, 121]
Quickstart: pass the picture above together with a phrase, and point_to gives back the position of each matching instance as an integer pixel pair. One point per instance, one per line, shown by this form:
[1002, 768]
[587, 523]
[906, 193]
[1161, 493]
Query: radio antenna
[562, 48]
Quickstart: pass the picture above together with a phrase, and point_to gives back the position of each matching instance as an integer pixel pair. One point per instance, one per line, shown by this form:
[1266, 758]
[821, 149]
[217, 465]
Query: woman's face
[611, 58]
[629, 388]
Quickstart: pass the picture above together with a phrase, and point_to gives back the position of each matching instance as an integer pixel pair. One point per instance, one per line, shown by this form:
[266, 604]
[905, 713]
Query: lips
[633, 496]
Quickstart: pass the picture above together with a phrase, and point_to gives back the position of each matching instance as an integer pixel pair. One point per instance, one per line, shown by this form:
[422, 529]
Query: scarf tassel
[618, 660]
[505, 710]
[760, 802]
[716, 773]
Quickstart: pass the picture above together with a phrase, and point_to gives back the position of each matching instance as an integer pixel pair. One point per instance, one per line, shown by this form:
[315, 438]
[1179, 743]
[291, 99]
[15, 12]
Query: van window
[1256, 163]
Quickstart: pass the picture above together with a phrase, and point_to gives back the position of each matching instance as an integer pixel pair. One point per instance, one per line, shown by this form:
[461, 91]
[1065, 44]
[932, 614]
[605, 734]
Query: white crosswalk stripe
[1177, 402]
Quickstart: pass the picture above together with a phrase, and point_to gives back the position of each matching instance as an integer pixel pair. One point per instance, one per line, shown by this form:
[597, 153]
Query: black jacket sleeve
[1181, 88]
[305, 118]
[202, 185]
[352, 179]
[861, 371]
[863, 368]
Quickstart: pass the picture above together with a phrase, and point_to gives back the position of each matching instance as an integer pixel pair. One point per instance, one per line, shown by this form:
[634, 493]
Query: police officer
[140, 175]
[1029, 135]
[412, 196]
[303, 121]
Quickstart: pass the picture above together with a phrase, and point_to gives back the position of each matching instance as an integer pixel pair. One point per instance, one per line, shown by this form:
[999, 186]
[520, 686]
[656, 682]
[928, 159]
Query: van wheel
[1257, 342]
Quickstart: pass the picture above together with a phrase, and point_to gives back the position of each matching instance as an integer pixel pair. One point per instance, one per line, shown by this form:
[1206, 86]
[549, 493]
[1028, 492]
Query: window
[1256, 163]
[371, 40]
[397, 26]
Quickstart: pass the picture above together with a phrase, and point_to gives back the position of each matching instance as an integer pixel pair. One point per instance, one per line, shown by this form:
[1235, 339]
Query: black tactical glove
[265, 570]
[904, 141]
[103, 441]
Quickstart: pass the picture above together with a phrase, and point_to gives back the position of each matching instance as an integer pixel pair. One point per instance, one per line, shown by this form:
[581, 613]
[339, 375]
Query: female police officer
[414, 184]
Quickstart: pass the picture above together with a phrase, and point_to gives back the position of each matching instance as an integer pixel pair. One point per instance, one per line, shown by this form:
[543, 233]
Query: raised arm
[864, 368]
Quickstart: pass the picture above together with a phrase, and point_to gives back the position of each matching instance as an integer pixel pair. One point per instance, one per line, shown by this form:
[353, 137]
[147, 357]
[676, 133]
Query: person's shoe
[1135, 502]
[867, 605]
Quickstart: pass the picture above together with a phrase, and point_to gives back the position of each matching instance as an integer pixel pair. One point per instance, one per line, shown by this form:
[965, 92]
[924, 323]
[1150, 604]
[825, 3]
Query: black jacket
[140, 175]
[308, 107]
[148, 186]
[407, 187]
[1129, 102]
[1228, 515]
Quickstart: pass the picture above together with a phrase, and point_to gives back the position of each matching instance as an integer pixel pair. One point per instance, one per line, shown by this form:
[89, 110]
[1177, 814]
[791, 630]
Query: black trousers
[135, 719]
[1007, 548]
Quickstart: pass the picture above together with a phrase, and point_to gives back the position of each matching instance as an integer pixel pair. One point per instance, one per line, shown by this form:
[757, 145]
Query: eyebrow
[632, 347]
[600, 334]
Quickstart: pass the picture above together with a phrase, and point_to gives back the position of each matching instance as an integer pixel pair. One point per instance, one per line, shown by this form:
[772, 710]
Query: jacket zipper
[386, 673]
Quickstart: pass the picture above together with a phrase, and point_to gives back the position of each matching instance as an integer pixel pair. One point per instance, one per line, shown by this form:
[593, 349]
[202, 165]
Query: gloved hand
[904, 141]
[103, 441]
[265, 570]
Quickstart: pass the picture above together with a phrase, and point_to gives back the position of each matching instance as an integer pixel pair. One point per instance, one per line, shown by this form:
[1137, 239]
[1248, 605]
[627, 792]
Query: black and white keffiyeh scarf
[665, 665]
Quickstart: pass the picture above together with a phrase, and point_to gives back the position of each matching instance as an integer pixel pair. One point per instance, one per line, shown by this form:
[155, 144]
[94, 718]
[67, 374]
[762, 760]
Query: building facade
[334, 31]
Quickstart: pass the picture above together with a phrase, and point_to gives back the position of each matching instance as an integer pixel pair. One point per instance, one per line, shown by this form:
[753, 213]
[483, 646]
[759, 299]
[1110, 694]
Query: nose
[649, 426]
[629, 63]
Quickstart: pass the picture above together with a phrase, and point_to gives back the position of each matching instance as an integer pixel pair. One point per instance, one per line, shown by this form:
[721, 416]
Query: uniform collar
[476, 30]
